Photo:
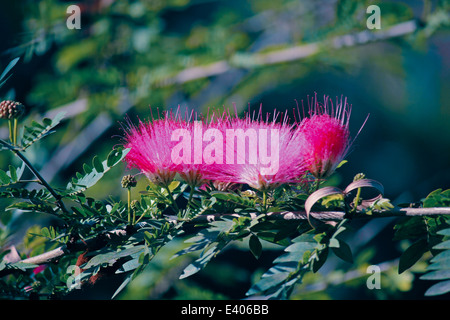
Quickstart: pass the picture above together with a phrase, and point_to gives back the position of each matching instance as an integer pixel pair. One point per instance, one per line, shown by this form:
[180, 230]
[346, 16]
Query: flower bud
[11, 109]
[359, 176]
[129, 181]
[135, 205]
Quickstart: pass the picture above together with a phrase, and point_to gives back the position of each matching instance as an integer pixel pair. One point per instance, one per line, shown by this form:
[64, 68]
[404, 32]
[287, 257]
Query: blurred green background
[130, 56]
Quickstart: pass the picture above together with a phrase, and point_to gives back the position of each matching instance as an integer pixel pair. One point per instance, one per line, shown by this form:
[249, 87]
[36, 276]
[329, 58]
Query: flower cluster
[261, 152]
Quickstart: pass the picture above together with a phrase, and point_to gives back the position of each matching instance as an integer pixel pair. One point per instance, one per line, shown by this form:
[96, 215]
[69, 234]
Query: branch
[334, 215]
[101, 240]
[98, 242]
[291, 54]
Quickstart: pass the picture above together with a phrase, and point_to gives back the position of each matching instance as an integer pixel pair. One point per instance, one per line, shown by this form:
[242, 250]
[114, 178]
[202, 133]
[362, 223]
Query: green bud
[129, 181]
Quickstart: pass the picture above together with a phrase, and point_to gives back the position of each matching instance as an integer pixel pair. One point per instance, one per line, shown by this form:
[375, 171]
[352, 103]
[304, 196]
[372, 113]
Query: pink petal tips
[229, 151]
[325, 136]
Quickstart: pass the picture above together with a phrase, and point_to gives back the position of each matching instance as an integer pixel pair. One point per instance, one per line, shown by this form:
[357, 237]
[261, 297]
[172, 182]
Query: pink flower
[150, 148]
[168, 146]
[326, 136]
[39, 269]
[260, 153]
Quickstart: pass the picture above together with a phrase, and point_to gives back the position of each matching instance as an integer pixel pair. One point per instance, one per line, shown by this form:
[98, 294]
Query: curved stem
[55, 195]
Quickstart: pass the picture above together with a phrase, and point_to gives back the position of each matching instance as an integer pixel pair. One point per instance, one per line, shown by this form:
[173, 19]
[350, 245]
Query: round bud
[129, 181]
[135, 205]
[11, 109]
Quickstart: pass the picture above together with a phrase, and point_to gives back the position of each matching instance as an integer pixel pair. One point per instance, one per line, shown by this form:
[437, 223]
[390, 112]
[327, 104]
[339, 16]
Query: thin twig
[57, 197]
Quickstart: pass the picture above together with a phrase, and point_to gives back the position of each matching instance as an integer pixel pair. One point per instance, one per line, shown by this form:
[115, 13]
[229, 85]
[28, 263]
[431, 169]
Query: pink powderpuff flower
[193, 151]
[150, 148]
[270, 157]
[325, 136]
[167, 146]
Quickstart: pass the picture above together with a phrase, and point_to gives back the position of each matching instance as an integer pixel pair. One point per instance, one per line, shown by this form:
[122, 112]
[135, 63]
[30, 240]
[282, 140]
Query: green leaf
[37, 131]
[272, 280]
[233, 198]
[439, 288]
[110, 257]
[341, 163]
[12, 173]
[411, 255]
[4, 178]
[287, 270]
[115, 156]
[436, 275]
[97, 164]
[149, 238]
[296, 252]
[7, 69]
[318, 259]
[87, 169]
[444, 255]
[440, 265]
[444, 232]
[173, 185]
[410, 227]
[343, 251]
[45, 232]
[22, 266]
[255, 246]
[91, 176]
[200, 263]
[443, 245]
[437, 198]
[125, 282]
